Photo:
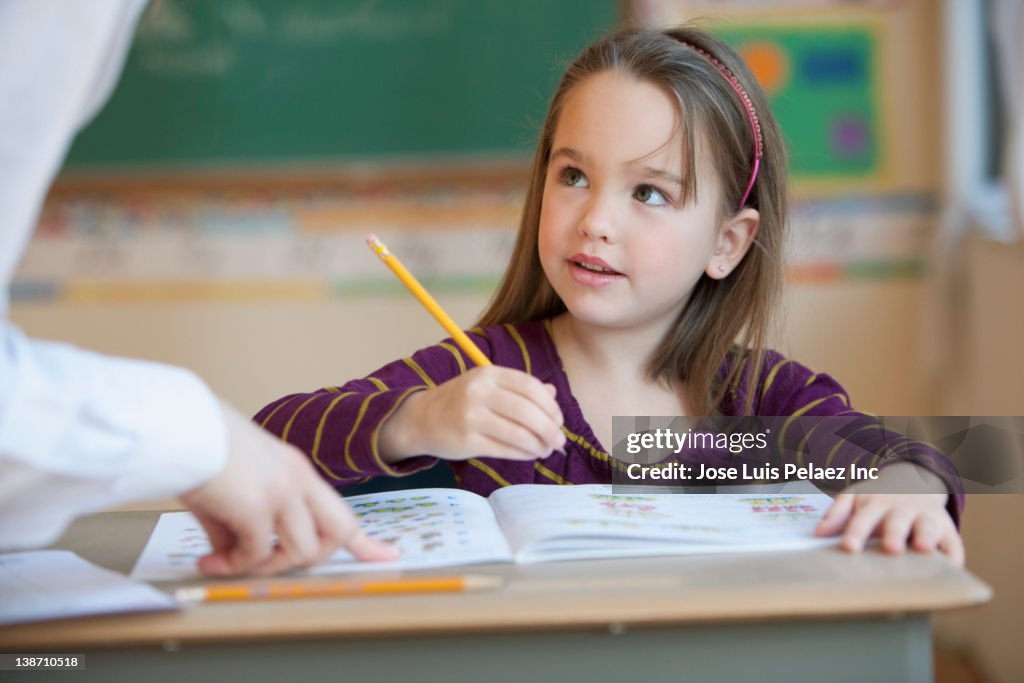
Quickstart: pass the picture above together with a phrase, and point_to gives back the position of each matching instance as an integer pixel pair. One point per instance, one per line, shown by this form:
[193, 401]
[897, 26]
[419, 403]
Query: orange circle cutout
[769, 64]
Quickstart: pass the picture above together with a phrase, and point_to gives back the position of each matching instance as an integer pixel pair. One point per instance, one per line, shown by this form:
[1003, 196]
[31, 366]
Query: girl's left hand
[917, 519]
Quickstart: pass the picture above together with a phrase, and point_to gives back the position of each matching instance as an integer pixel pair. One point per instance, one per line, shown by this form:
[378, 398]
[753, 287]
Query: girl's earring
[721, 267]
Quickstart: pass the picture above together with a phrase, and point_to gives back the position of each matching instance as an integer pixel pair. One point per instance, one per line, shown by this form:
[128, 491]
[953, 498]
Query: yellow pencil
[320, 588]
[434, 308]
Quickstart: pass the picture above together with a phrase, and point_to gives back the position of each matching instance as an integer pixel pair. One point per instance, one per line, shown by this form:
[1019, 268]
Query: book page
[56, 584]
[432, 528]
[576, 522]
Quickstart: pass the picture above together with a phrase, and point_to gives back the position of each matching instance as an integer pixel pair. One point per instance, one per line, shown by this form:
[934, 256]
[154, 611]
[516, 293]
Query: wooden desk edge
[433, 615]
[693, 590]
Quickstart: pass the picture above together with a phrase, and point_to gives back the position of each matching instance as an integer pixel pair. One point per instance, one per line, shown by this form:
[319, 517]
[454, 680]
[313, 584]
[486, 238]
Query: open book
[540, 523]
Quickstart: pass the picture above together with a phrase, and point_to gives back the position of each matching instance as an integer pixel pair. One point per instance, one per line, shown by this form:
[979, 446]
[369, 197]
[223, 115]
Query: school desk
[797, 616]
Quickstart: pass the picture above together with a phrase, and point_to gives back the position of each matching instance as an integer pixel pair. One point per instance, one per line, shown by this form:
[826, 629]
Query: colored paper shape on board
[822, 82]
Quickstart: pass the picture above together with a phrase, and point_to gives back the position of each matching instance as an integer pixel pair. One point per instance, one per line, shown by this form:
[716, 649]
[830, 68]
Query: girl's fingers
[487, 423]
[896, 519]
[836, 516]
[862, 523]
[533, 389]
[926, 534]
[547, 434]
[492, 435]
[951, 545]
[896, 529]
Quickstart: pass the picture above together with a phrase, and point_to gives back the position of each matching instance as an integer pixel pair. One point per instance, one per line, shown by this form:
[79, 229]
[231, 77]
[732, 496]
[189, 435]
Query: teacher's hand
[266, 489]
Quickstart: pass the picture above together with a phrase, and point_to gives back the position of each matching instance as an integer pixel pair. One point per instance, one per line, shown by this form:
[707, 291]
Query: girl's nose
[597, 223]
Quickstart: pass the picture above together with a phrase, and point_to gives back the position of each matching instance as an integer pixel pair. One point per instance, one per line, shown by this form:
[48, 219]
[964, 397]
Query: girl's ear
[734, 239]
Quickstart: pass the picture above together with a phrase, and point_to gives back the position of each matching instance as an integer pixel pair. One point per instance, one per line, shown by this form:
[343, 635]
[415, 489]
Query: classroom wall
[986, 377]
[252, 353]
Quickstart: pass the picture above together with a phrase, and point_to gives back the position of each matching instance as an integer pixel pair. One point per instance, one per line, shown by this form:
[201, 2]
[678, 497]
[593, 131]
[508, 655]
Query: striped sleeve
[339, 427]
[850, 437]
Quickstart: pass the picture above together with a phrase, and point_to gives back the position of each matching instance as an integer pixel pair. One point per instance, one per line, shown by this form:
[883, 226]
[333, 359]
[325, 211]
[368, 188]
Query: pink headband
[755, 125]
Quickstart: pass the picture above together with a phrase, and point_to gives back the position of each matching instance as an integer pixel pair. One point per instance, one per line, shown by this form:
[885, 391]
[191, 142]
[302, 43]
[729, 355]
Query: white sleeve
[59, 62]
[78, 431]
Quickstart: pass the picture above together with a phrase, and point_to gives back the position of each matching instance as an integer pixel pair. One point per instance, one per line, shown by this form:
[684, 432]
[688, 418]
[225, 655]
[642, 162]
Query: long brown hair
[723, 319]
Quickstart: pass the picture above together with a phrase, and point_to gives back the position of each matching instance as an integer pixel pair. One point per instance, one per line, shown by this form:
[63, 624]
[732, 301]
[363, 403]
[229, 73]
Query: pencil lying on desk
[434, 308]
[320, 588]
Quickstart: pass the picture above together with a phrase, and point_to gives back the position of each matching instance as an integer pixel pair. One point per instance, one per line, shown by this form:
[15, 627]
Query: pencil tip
[479, 582]
[189, 594]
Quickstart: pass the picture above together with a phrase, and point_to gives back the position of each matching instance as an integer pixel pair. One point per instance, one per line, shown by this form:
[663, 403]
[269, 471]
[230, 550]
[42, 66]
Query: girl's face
[616, 241]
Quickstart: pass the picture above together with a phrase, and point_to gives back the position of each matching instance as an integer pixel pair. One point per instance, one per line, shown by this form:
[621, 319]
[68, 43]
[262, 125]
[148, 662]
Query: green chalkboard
[256, 82]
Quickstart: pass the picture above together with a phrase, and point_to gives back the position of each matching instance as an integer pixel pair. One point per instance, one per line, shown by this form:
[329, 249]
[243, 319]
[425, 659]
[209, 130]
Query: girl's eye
[649, 195]
[573, 177]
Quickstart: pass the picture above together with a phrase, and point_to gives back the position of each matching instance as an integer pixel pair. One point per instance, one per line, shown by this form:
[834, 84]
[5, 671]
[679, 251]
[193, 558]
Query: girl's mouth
[592, 264]
[594, 268]
[592, 272]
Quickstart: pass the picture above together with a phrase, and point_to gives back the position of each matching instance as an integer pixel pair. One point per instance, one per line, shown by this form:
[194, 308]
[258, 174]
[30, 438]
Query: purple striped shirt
[338, 427]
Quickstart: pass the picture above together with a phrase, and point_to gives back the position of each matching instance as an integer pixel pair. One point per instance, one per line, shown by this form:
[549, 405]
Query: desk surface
[614, 594]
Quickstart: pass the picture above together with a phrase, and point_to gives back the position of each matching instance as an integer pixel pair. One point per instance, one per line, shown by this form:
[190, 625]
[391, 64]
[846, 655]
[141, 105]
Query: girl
[643, 279]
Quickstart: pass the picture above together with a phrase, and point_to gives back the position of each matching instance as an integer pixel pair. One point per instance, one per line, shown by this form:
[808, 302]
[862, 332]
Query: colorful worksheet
[537, 523]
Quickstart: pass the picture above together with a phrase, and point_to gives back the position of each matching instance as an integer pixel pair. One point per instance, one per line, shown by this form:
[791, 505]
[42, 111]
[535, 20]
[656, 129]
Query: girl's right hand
[489, 411]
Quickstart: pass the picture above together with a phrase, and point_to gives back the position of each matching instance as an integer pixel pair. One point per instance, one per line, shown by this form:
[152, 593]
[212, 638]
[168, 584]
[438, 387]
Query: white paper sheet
[55, 584]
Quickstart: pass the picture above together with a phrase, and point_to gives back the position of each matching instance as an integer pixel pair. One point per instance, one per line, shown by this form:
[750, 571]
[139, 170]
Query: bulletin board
[822, 84]
[854, 85]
